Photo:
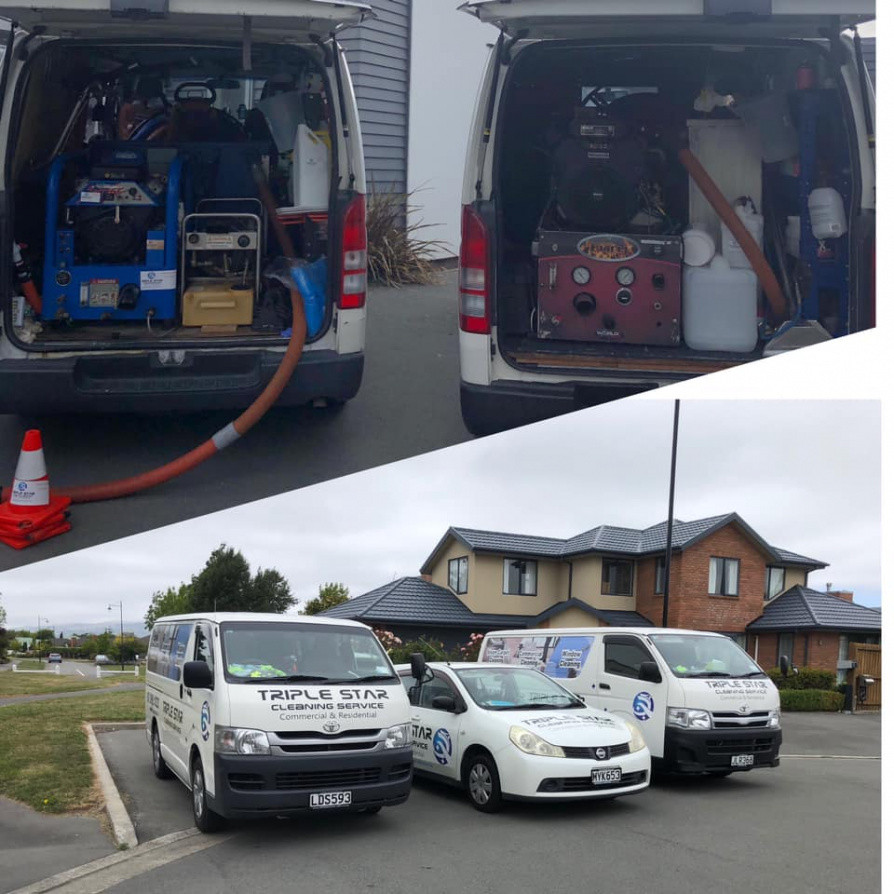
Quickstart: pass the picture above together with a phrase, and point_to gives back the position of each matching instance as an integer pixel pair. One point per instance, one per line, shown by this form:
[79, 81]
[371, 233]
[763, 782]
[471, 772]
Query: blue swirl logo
[206, 720]
[643, 706]
[442, 746]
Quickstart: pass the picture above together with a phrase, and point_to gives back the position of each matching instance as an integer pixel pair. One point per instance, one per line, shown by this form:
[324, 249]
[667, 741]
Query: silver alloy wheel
[156, 750]
[198, 791]
[481, 785]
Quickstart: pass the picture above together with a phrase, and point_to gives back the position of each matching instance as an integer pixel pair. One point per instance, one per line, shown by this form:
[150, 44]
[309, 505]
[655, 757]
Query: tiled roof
[801, 608]
[612, 617]
[412, 600]
[610, 539]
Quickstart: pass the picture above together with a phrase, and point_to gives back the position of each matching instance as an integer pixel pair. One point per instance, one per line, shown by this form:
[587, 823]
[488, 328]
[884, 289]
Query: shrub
[806, 678]
[395, 255]
[811, 700]
[432, 649]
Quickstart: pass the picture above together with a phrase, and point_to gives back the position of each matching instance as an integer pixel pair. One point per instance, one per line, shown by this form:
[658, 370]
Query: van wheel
[482, 784]
[370, 811]
[206, 820]
[162, 770]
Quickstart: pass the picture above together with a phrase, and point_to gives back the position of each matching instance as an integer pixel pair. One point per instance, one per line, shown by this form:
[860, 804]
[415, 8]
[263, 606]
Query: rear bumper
[503, 405]
[703, 751]
[258, 785]
[140, 383]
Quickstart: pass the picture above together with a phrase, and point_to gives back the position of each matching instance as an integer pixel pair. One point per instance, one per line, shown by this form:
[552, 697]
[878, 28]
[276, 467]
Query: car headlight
[637, 742]
[397, 736]
[688, 718]
[531, 743]
[231, 740]
[773, 719]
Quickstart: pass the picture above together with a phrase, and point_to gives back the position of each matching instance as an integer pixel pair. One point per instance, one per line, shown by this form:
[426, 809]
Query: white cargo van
[702, 704]
[141, 270]
[262, 715]
[612, 142]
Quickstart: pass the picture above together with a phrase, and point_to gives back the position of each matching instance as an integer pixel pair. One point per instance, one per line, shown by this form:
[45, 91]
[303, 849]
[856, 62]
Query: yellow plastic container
[218, 303]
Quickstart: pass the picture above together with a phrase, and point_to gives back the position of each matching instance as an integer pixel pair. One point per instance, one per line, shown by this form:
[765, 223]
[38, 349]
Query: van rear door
[286, 19]
[544, 19]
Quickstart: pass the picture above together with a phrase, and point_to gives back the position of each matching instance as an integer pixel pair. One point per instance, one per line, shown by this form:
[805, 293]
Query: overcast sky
[804, 474]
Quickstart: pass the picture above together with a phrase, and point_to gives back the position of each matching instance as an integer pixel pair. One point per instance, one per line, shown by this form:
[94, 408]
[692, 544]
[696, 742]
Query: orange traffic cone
[31, 514]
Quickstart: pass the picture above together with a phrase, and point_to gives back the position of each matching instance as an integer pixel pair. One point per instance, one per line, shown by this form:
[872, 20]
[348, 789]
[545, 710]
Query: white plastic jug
[827, 216]
[732, 251]
[720, 307]
[310, 171]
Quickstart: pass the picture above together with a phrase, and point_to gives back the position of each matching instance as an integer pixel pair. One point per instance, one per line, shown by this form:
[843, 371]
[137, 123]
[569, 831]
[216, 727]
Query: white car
[512, 733]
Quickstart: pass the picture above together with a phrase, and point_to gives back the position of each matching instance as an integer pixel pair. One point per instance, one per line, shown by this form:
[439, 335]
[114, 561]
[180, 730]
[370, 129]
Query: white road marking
[80, 672]
[833, 757]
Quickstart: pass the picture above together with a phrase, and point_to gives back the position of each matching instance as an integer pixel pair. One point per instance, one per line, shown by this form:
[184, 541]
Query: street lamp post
[121, 639]
[37, 636]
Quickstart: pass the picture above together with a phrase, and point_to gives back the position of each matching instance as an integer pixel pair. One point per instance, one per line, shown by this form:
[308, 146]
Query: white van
[148, 274]
[612, 142]
[262, 715]
[511, 733]
[702, 704]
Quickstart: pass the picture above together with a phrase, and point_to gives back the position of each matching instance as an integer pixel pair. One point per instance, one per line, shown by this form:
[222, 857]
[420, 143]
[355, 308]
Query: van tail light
[474, 274]
[353, 255]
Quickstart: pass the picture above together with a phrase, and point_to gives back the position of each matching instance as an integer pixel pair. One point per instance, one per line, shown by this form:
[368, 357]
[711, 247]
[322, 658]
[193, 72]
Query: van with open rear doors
[169, 170]
[657, 190]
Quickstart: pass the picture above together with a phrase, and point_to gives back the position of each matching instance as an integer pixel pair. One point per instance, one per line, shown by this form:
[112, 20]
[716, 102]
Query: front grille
[731, 720]
[246, 782]
[305, 734]
[326, 778]
[583, 783]
[327, 746]
[727, 747]
[590, 753]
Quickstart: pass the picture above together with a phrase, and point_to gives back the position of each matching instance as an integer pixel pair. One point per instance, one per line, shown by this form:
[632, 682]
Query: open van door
[545, 19]
[288, 19]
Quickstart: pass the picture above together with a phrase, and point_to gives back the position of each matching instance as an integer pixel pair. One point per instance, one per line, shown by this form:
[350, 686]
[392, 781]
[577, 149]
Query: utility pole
[37, 637]
[670, 514]
[121, 638]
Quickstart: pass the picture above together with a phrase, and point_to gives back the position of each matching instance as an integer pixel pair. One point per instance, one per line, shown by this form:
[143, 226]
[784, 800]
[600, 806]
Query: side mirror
[649, 672]
[785, 665]
[417, 665]
[197, 675]
[444, 703]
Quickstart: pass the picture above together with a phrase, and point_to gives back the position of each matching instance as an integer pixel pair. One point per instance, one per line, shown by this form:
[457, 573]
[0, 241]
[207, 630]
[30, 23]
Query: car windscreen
[692, 655]
[513, 688]
[256, 652]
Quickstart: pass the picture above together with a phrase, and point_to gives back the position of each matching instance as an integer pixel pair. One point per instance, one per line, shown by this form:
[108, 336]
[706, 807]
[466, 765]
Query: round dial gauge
[580, 275]
[625, 276]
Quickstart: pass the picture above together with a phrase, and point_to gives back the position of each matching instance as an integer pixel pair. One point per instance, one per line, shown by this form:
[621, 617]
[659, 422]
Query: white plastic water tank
[828, 219]
[310, 171]
[720, 307]
[732, 251]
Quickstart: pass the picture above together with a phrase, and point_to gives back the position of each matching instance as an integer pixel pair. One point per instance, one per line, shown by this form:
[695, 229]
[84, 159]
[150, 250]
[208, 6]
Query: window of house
[617, 577]
[624, 655]
[775, 581]
[659, 574]
[785, 646]
[723, 577]
[458, 574]
[738, 639]
[519, 577]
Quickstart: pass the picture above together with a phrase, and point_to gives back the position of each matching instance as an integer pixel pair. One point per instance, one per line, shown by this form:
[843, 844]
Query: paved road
[811, 826]
[408, 404]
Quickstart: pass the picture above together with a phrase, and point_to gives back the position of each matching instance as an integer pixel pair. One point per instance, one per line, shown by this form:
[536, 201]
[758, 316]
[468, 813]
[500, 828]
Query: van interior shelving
[587, 166]
[132, 170]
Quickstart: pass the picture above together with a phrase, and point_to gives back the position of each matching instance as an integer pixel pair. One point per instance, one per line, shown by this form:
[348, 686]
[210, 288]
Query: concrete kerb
[122, 826]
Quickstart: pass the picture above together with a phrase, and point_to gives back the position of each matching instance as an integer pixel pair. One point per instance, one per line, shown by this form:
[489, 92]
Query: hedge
[806, 678]
[811, 700]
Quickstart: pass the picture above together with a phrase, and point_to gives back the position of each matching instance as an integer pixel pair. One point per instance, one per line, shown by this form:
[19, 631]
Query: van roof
[270, 617]
[587, 631]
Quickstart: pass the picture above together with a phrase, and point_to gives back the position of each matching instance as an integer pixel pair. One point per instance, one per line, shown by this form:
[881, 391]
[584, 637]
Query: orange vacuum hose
[718, 202]
[228, 434]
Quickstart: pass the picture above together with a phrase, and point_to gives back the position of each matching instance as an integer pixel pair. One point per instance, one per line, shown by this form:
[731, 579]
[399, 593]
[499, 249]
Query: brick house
[722, 575]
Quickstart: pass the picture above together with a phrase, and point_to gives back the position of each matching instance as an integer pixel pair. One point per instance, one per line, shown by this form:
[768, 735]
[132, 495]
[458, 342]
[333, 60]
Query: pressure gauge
[580, 275]
[625, 276]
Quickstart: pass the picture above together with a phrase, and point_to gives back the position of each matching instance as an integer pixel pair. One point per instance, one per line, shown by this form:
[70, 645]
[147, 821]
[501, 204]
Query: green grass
[44, 761]
[36, 684]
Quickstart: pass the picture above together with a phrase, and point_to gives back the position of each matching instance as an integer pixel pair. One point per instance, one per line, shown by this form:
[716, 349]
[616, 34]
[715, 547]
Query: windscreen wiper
[709, 674]
[370, 678]
[754, 674]
[292, 678]
[528, 705]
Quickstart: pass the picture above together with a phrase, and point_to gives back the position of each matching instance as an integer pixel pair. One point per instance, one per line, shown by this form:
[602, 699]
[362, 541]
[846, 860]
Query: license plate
[742, 760]
[330, 799]
[606, 776]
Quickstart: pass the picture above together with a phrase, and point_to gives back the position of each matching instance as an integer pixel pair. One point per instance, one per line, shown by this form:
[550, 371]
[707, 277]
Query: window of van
[624, 655]
[254, 652]
[695, 655]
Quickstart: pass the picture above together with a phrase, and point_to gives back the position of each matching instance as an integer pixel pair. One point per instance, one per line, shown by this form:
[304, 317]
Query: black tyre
[161, 769]
[370, 811]
[482, 784]
[206, 820]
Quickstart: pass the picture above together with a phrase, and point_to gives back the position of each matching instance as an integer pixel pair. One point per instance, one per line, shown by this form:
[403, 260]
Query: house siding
[378, 53]
[586, 585]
